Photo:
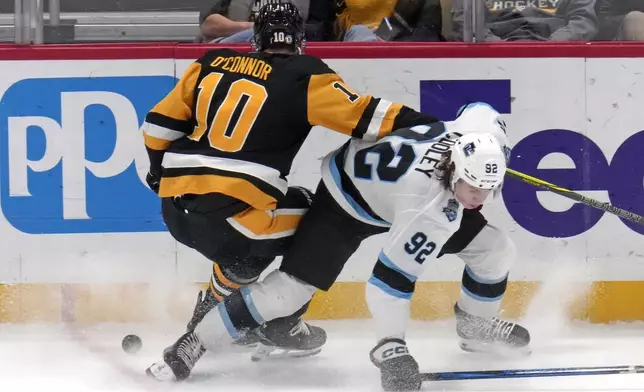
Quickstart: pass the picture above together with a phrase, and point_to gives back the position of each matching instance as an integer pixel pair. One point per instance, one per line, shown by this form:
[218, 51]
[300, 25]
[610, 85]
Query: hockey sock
[481, 297]
[229, 320]
[220, 285]
[278, 295]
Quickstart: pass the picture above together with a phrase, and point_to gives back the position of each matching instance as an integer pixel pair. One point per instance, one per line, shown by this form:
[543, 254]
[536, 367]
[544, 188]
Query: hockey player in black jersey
[221, 144]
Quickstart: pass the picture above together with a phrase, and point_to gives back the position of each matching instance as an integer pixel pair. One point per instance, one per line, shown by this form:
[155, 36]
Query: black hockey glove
[398, 369]
[153, 181]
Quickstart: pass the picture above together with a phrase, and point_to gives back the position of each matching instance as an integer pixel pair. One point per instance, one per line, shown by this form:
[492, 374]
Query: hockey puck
[131, 344]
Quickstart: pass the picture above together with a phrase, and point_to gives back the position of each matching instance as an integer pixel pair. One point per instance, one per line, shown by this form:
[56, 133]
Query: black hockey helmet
[279, 25]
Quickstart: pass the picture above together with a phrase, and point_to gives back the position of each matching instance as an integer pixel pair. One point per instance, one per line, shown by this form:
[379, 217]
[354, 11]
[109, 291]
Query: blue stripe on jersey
[387, 261]
[333, 168]
[389, 290]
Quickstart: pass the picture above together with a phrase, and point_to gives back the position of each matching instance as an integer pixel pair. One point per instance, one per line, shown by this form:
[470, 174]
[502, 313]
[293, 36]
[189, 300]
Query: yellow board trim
[604, 302]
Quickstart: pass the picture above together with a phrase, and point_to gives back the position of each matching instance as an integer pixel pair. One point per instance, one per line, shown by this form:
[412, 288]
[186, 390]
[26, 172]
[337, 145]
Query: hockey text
[435, 152]
[243, 65]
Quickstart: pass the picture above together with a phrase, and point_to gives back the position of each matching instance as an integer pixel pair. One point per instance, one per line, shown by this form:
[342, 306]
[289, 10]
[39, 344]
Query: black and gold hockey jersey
[234, 123]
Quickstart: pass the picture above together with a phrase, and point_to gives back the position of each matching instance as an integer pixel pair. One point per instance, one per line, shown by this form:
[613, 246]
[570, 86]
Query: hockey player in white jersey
[424, 186]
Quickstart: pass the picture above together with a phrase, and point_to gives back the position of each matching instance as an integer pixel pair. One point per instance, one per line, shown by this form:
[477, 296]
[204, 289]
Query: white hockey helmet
[479, 160]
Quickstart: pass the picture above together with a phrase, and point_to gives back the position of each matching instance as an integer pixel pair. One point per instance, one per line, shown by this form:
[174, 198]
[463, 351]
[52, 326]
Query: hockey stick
[576, 196]
[531, 373]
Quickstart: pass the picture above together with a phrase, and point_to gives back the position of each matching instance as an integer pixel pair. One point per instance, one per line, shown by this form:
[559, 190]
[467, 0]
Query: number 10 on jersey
[233, 118]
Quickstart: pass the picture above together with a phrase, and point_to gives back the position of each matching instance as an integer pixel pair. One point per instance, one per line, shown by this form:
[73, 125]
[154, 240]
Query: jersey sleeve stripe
[183, 126]
[157, 137]
[389, 290]
[387, 123]
[379, 114]
[384, 259]
[365, 119]
[161, 132]
[267, 174]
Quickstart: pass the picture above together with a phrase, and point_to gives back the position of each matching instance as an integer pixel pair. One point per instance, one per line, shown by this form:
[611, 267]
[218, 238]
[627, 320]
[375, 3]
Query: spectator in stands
[621, 20]
[378, 20]
[231, 21]
[533, 20]
[632, 27]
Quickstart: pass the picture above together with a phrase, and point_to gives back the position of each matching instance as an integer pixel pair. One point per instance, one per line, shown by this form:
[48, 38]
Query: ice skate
[178, 359]
[479, 334]
[205, 303]
[288, 337]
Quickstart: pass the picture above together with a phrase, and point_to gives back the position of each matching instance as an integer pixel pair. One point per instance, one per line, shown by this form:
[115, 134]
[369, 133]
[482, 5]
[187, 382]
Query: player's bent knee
[505, 251]
[497, 259]
[248, 271]
[280, 295]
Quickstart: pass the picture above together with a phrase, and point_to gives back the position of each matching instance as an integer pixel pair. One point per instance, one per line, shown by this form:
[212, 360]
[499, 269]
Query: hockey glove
[153, 181]
[398, 369]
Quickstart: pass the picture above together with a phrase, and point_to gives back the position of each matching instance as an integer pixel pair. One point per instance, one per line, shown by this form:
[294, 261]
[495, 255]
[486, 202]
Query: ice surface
[70, 359]
[38, 357]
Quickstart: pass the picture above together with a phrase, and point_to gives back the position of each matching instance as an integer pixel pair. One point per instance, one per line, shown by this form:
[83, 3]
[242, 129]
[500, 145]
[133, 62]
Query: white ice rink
[58, 358]
[69, 359]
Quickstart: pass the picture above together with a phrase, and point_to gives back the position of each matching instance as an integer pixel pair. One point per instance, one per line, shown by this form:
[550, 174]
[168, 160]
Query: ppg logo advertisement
[70, 152]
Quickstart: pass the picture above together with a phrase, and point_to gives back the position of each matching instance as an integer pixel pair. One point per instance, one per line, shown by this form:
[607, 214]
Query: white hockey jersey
[391, 183]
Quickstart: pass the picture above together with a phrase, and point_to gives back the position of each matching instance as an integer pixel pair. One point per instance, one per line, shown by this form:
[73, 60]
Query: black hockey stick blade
[576, 196]
[532, 373]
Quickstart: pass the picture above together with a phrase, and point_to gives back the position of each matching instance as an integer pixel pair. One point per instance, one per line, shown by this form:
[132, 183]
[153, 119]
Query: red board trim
[344, 50]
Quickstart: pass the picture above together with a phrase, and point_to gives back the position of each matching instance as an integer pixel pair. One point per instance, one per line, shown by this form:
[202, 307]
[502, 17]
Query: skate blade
[474, 346]
[264, 352]
[244, 348]
[160, 371]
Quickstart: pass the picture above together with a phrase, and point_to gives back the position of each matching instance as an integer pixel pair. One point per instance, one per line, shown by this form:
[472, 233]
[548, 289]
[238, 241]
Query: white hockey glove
[398, 369]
